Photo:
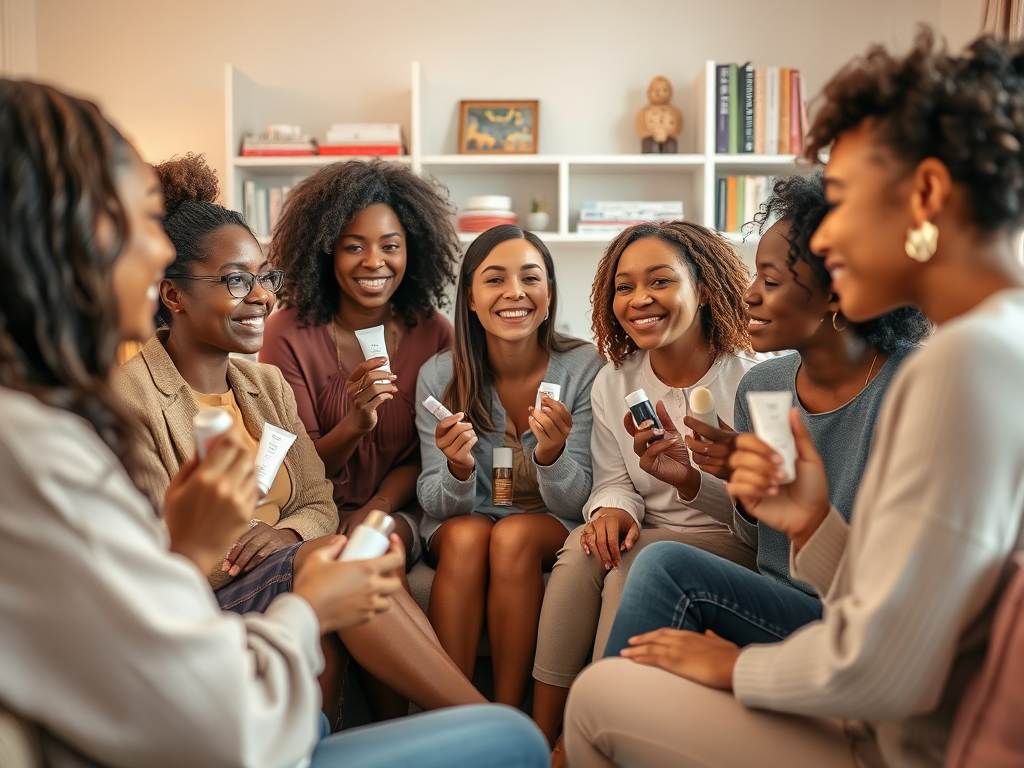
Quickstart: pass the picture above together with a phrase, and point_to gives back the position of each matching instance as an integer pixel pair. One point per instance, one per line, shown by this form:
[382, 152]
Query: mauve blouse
[307, 357]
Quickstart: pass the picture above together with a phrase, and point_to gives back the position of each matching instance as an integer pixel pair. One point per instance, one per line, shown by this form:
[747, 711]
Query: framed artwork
[498, 128]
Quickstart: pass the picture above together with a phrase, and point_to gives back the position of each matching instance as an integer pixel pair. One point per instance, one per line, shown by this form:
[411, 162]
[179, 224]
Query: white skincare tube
[547, 388]
[702, 406]
[274, 444]
[434, 406]
[371, 341]
[769, 413]
[209, 423]
[370, 538]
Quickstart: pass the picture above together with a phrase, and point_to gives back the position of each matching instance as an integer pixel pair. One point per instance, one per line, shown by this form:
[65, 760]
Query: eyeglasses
[240, 284]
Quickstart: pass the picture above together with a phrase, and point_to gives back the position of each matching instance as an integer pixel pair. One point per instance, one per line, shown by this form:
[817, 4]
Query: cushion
[987, 731]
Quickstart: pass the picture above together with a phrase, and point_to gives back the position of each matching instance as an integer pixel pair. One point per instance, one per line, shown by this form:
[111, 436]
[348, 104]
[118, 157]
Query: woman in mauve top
[363, 245]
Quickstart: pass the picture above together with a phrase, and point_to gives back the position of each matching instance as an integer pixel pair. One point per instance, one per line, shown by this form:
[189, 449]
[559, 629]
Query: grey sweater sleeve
[440, 493]
[565, 484]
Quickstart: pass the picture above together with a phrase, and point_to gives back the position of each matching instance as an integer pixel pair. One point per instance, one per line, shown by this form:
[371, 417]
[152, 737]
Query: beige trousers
[621, 713]
[581, 599]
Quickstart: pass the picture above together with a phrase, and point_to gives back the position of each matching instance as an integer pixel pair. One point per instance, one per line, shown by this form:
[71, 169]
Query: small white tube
[702, 406]
[209, 423]
[274, 444]
[370, 538]
[434, 406]
[371, 341]
[769, 413]
[553, 391]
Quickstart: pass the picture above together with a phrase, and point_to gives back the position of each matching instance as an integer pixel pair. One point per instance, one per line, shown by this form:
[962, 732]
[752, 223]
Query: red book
[796, 136]
[365, 150]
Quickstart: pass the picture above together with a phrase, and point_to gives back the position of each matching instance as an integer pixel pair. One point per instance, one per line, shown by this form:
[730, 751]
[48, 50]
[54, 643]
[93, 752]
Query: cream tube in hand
[274, 444]
[370, 538]
[209, 423]
[371, 341]
[434, 406]
[702, 406]
[769, 413]
[553, 391]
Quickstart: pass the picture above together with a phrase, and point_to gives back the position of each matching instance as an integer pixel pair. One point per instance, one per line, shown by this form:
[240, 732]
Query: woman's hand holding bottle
[368, 387]
[551, 426]
[664, 457]
[456, 439]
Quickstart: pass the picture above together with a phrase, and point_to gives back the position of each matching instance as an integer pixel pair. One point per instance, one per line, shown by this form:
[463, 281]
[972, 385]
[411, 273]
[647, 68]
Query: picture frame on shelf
[498, 127]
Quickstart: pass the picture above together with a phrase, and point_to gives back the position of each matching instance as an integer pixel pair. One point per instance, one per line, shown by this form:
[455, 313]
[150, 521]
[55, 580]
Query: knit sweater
[911, 583]
[842, 438]
[160, 399]
[564, 484]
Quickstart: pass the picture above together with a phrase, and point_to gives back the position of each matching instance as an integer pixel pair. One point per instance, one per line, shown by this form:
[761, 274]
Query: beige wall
[157, 67]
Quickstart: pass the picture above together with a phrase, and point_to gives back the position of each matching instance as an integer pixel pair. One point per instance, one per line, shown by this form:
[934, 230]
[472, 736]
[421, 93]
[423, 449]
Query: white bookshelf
[563, 180]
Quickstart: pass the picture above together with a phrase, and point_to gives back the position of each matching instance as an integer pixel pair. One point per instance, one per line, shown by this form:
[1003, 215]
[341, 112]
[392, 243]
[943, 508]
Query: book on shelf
[759, 110]
[609, 217]
[366, 139]
[261, 207]
[277, 146]
[738, 199]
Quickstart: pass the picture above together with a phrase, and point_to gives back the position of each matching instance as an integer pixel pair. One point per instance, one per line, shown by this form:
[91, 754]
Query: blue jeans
[476, 736]
[682, 587]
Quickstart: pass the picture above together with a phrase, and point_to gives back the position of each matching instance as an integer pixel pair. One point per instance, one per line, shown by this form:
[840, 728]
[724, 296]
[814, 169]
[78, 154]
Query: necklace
[873, 361]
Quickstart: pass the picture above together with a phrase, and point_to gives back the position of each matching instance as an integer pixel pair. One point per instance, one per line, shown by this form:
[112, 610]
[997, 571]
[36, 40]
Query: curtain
[1004, 18]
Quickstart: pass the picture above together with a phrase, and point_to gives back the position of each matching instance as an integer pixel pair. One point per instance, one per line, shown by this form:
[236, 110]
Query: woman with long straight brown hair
[490, 557]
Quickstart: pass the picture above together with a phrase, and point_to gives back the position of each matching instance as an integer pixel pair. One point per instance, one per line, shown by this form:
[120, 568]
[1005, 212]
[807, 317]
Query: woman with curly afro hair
[924, 185]
[363, 245]
[669, 315]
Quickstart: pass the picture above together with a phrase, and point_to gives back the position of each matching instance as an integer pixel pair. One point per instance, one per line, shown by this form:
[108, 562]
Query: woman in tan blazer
[214, 300]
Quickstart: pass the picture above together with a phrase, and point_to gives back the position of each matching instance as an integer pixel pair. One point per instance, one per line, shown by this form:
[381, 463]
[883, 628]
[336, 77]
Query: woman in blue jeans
[838, 377]
[117, 648]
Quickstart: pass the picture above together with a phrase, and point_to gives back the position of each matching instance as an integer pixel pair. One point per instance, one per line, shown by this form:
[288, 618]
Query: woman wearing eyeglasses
[214, 300]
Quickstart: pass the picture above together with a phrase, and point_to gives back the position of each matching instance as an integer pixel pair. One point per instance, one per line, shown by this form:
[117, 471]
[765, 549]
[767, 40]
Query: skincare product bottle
[553, 391]
[769, 414]
[501, 486]
[371, 342]
[370, 538]
[640, 406]
[209, 423]
[702, 406]
[434, 406]
[274, 444]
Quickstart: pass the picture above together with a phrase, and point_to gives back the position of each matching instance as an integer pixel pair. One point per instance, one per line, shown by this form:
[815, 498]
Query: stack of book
[738, 199]
[262, 207]
[609, 217]
[279, 141]
[760, 110]
[363, 139]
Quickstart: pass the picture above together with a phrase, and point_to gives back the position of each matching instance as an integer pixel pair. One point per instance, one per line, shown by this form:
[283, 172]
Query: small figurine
[659, 122]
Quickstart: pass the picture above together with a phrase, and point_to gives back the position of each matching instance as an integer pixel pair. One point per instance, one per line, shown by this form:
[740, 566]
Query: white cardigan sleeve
[117, 646]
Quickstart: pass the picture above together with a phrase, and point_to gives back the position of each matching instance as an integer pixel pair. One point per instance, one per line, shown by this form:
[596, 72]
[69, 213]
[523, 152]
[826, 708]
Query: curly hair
[190, 191]
[712, 263]
[472, 375]
[318, 209]
[59, 329]
[801, 201]
[966, 110]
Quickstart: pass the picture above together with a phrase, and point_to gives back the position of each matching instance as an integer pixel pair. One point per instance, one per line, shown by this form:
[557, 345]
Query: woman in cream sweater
[924, 183]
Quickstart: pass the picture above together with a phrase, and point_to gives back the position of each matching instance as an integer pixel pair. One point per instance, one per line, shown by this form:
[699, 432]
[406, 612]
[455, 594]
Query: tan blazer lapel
[178, 405]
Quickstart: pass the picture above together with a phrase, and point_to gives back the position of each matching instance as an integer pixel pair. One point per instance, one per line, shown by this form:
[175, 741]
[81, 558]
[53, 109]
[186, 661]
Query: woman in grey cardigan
[490, 557]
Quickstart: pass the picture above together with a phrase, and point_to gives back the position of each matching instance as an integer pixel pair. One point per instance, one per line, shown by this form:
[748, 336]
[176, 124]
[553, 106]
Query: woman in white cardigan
[924, 181]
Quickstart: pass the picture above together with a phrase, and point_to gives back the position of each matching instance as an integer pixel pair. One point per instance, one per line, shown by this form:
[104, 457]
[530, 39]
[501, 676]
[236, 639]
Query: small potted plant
[538, 219]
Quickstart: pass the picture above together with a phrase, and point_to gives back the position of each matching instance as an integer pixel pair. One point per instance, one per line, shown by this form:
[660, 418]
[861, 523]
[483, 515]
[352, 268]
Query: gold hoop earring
[835, 315]
[922, 241]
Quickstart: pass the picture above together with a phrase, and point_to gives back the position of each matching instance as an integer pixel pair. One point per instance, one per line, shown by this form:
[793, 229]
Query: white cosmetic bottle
[370, 538]
[702, 406]
[209, 423]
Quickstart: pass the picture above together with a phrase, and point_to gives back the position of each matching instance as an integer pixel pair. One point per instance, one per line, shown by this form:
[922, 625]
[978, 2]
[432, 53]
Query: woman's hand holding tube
[665, 458]
[456, 439]
[796, 509]
[208, 504]
[367, 388]
[345, 595]
[551, 426]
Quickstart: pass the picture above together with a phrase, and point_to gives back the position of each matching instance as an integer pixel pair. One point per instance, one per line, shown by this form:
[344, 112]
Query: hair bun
[187, 178]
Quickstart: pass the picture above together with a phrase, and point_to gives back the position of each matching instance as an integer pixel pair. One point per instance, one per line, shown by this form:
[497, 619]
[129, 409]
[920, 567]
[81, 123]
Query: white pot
[537, 221]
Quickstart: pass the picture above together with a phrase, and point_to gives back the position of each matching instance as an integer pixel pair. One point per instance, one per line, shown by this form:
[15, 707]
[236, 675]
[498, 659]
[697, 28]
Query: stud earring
[835, 316]
[922, 241]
